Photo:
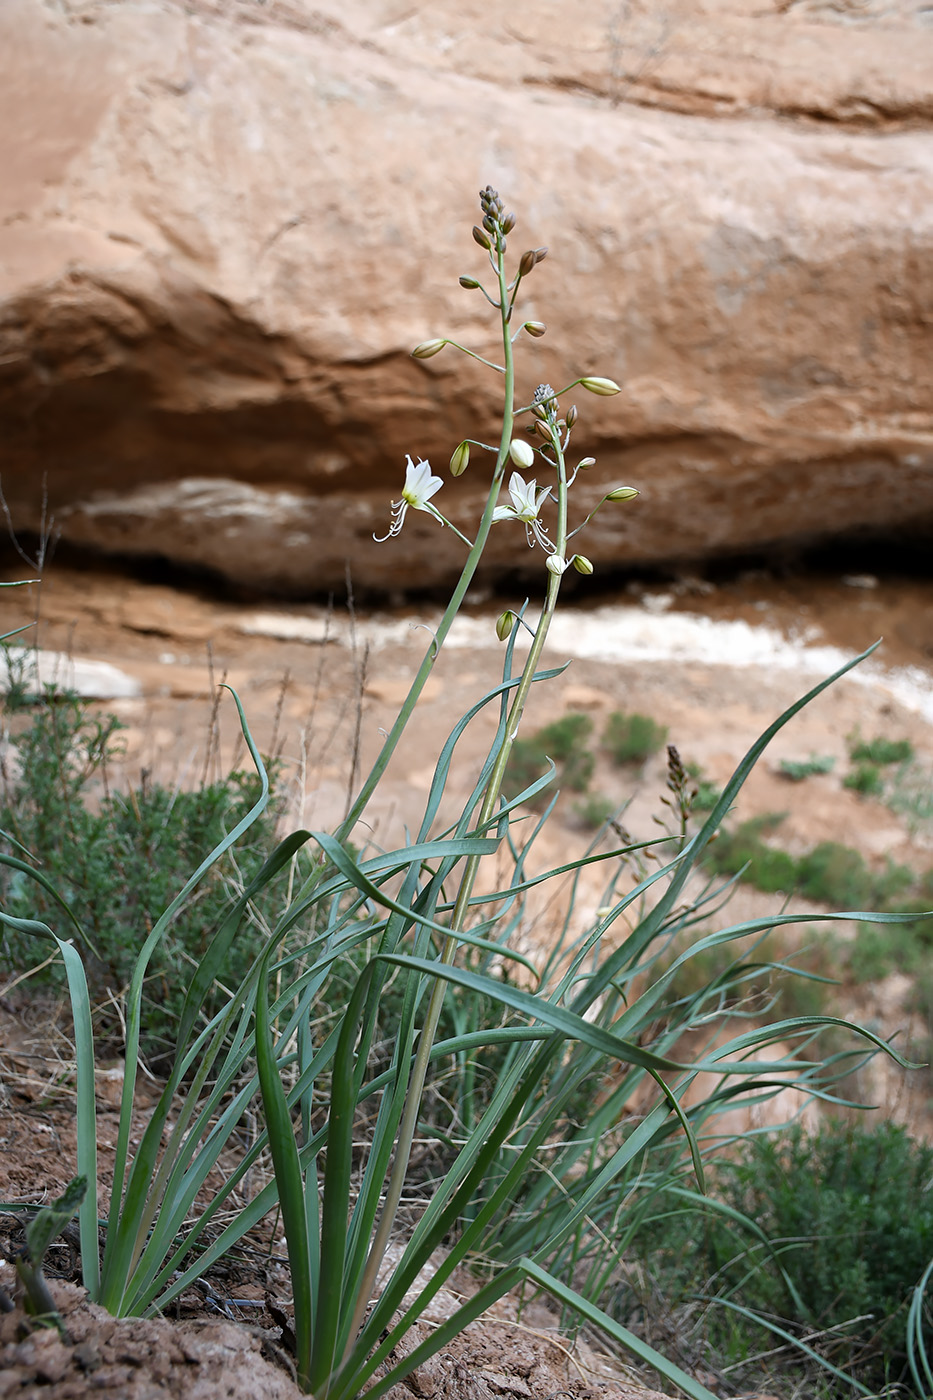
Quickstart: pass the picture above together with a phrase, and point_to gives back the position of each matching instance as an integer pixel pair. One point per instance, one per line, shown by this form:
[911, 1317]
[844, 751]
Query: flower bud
[460, 459]
[535, 328]
[621, 493]
[489, 223]
[542, 429]
[521, 453]
[540, 254]
[600, 386]
[582, 564]
[572, 415]
[427, 348]
[556, 563]
[470, 283]
[504, 624]
[527, 263]
[481, 238]
[585, 463]
[508, 223]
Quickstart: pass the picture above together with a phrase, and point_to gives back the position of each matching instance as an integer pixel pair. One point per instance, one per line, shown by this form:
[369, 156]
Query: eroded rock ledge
[223, 226]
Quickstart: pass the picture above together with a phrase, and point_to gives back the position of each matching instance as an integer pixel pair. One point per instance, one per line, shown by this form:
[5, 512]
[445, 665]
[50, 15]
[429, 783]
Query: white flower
[420, 486]
[527, 500]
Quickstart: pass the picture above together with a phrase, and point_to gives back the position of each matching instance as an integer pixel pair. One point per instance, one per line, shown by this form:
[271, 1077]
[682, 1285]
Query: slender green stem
[451, 611]
[415, 1089]
[500, 369]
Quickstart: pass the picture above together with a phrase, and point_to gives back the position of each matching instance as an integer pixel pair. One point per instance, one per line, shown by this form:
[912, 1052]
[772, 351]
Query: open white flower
[527, 500]
[420, 486]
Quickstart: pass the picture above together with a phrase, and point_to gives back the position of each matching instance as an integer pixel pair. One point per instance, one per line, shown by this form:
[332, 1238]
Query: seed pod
[535, 328]
[427, 348]
[460, 459]
[600, 386]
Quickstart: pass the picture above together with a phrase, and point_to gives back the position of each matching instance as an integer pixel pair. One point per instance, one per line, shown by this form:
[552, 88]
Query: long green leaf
[671, 1372]
[288, 1178]
[86, 1094]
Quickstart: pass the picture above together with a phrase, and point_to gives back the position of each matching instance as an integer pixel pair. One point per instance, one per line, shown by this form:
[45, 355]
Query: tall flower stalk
[553, 432]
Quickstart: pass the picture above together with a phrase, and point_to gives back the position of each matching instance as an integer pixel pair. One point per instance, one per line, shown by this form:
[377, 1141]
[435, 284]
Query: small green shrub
[911, 795]
[632, 738]
[594, 810]
[849, 1217]
[865, 779]
[561, 742]
[836, 874]
[796, 770]
[118, 859]
[706, 794]
[829, 874]
[882, 751]
[563, 737]
[764, 866]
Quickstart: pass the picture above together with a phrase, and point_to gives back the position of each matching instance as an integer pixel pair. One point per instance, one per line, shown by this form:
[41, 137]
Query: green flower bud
[469, 282]
[521, 453]
[585, 463]
[621, 493]
[600, 386]
[535, 328]
[504, 624]
[460, 459]
[556, 563]
[481, 238]
[427, 348]
[582, 564]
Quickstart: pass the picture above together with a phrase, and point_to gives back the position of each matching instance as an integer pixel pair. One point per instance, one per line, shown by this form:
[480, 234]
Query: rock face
[225, 223]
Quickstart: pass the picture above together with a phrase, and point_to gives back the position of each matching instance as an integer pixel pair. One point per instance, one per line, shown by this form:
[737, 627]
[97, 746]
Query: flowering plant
[596, 1066]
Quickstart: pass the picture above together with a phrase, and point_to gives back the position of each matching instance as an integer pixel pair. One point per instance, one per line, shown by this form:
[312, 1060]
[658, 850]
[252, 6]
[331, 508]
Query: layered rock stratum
[225, 223]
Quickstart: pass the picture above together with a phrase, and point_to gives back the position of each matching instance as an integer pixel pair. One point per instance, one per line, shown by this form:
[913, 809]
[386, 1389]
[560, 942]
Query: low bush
[825, 1236]
[865, 779]
[881, 751]
[561, 743]
[115, 858]
[744, 851]
[799, 769]
[829, 874]
[632, 738]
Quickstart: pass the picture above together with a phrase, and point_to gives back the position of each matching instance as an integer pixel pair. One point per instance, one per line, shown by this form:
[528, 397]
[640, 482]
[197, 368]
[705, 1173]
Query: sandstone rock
[224, 224]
